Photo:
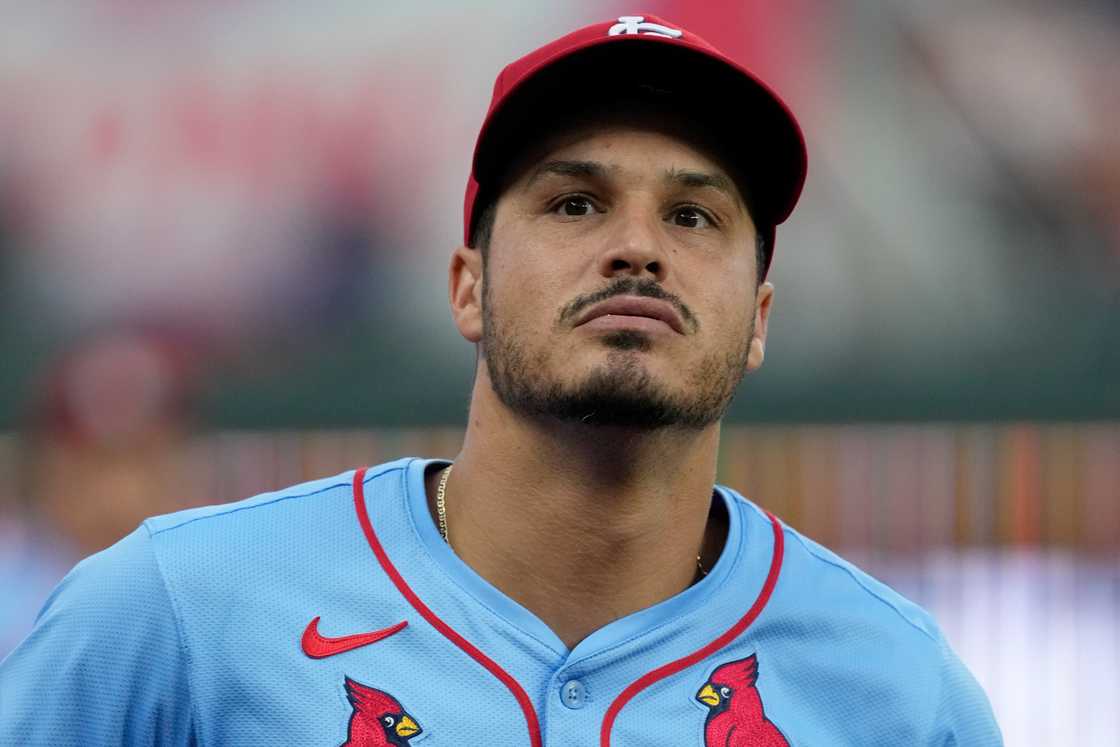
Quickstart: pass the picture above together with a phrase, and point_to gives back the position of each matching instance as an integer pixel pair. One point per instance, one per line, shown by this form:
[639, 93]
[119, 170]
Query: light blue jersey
[332, 613]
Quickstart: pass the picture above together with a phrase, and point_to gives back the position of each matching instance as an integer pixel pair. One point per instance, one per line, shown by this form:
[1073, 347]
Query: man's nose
[634, 246]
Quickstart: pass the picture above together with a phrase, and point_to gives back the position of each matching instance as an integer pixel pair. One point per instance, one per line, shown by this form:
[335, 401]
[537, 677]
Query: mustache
[629, 287]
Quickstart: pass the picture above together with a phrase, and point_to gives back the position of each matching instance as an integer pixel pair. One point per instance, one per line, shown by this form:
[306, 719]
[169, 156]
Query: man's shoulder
[283, 505]
[855, 636]
[815, 579]
[310, 528]
[240, 510]
[251, 554]
[825, 578]
[158, 617]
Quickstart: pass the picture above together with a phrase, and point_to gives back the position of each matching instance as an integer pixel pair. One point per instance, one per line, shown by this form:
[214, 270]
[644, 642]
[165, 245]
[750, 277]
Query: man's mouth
[633, 312]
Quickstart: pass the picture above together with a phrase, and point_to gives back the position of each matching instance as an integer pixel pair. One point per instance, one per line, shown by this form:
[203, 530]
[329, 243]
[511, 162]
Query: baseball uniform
[333, 613]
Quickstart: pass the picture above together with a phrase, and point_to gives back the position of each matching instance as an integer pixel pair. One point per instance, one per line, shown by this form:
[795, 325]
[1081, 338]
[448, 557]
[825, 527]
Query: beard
[619, 392]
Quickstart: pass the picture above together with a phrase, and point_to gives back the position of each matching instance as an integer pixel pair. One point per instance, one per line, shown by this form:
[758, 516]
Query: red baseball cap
[753, 126]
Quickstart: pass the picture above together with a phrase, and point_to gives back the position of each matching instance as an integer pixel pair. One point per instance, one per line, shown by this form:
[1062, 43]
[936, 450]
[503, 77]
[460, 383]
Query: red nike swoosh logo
[319, 646]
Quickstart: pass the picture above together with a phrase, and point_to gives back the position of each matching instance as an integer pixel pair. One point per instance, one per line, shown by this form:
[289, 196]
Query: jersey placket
[571, 697]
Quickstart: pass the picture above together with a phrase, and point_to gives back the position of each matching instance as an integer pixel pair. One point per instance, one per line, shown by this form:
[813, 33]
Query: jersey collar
[624, 629]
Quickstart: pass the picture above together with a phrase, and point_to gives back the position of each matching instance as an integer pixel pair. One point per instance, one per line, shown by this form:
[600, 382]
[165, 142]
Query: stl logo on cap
[639, 25]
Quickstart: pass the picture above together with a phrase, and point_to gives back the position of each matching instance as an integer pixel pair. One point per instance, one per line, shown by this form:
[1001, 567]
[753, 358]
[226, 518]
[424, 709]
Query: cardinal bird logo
[735, 717]
[378, 719]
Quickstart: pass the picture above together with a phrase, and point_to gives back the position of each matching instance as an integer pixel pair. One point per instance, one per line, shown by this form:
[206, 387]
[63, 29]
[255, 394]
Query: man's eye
[690, 217]
[575, 206]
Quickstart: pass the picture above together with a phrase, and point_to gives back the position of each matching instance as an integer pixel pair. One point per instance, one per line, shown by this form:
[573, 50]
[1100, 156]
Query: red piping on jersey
[447, 631]
[731, 634]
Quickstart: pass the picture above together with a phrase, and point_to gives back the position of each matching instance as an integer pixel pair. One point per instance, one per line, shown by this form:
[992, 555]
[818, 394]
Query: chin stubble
[618, 393]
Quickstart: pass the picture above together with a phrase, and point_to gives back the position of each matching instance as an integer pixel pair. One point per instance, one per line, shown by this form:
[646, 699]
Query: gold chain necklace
[441, 504]
[441, 513]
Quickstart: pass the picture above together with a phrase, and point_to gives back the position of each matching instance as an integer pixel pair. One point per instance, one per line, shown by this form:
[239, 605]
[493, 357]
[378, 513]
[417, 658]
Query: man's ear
[464, 285]
[764, 298]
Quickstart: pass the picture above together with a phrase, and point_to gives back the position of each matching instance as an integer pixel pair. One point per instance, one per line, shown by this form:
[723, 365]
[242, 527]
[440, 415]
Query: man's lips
[635, 306]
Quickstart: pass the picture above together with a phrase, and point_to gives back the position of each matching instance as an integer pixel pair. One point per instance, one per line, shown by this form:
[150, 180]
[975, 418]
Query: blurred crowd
[272, 185]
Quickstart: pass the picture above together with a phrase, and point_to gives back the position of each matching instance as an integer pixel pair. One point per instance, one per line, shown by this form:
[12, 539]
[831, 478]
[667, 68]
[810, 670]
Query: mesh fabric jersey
[195, 629]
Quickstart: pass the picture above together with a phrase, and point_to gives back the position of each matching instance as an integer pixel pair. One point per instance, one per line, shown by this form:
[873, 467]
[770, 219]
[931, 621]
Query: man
[575, 576]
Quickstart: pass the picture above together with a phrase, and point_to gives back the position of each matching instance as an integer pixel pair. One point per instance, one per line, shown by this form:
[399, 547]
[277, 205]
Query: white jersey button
[573, 695]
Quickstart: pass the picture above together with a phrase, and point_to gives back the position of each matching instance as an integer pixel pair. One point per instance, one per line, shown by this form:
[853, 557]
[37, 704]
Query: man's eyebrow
[585, 169]
[704, 179]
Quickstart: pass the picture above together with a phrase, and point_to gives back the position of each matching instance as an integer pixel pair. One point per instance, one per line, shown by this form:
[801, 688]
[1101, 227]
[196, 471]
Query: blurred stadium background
[223, 239]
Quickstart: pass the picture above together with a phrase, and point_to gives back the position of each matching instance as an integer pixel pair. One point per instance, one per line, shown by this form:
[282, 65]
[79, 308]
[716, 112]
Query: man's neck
[582, 525]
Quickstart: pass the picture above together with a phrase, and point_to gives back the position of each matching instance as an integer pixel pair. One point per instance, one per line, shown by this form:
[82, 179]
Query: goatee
[620, 392]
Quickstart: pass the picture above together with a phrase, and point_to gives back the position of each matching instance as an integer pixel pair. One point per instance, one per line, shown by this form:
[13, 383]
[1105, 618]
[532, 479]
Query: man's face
[619, 285]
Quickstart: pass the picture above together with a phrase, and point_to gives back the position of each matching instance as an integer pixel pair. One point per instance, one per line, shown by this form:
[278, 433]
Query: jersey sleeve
[964, 715]
[104, 663]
